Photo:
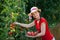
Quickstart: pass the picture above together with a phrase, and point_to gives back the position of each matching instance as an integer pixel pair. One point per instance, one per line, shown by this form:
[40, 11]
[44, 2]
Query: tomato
[10, 33]
[36, 32]
[29, 33]
[32, 34]
[12, 25]
[11, 28]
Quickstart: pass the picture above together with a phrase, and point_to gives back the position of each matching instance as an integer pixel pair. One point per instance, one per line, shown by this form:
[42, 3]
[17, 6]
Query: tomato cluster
[12, 29]
[32, 33]
[12, 26]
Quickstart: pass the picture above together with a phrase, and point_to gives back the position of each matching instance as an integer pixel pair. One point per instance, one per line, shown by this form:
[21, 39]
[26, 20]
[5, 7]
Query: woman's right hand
[29, 14]
[15, 23]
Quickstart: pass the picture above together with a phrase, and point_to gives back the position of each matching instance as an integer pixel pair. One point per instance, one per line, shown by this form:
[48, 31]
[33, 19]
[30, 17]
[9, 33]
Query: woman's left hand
[32, 36]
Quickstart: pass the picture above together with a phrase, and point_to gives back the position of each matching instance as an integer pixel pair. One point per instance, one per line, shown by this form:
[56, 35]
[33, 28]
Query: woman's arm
[43, 30]
[25, 25]
[42, 33]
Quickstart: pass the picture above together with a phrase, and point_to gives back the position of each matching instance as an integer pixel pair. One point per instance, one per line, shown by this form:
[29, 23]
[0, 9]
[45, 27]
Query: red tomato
[10, 33]
[35, 33]
[32, 33]
[29, 33]
[12, 25]
[11, 28]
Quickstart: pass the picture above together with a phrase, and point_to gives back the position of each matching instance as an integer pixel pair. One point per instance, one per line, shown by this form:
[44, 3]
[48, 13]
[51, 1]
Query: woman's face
[36, 14]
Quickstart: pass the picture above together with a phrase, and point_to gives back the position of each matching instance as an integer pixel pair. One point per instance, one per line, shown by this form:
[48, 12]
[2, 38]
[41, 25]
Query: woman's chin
[36, 19]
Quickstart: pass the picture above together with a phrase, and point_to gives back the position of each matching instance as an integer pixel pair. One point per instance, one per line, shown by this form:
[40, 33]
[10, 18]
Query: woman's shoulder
[43, 19]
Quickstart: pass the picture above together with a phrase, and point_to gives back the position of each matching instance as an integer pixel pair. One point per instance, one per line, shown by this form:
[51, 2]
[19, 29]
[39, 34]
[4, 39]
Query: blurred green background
[17, 10]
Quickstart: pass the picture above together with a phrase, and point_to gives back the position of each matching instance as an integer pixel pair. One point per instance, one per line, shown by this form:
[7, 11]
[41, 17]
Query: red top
[48, 35]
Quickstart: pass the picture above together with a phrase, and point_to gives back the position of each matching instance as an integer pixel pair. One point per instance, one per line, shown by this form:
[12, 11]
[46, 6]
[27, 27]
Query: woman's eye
[35, 12]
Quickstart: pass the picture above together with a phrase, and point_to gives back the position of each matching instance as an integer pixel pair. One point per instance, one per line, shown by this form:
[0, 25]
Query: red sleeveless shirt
[48, 35]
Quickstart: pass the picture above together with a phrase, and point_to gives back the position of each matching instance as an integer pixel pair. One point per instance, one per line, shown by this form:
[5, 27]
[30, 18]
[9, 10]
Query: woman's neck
[38, 18]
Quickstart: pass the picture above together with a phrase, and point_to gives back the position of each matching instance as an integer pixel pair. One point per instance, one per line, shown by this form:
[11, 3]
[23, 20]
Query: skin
[36, 15]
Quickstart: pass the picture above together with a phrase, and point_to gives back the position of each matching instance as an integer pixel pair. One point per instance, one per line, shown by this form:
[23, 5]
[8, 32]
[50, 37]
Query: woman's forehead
[34, 12]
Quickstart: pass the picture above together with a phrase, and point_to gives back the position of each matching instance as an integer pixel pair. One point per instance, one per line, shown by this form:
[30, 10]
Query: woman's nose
[35, 14]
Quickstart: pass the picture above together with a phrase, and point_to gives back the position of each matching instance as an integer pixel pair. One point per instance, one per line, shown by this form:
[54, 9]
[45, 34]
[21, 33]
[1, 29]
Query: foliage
[17, 10]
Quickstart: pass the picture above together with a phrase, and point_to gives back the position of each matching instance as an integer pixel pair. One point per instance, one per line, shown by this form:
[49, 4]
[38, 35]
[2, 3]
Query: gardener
[40, 23]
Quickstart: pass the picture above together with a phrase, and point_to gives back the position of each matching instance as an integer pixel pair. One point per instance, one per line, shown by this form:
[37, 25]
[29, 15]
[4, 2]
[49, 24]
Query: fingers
[15, 23]
[30, 36]
[29, 14]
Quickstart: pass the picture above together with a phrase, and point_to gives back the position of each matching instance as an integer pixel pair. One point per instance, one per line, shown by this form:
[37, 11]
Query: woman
[40, 23]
